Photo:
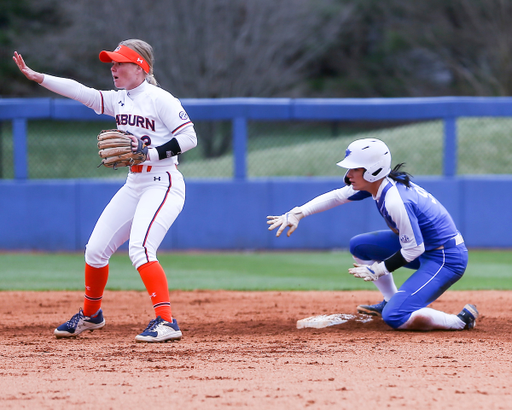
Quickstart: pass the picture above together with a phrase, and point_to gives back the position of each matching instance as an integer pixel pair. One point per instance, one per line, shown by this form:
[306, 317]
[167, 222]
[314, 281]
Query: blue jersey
[415, 215]
[412, 213]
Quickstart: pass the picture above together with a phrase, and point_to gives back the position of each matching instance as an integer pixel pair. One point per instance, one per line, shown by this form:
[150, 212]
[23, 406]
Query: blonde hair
[146, 52]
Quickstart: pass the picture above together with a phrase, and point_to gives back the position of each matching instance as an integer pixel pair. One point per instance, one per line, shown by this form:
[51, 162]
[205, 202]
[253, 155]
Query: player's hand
[290, 219]
[26, 70]
[135, 142]
[369, 272]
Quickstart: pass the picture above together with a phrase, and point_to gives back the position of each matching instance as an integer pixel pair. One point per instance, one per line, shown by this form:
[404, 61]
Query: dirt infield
[242, 350]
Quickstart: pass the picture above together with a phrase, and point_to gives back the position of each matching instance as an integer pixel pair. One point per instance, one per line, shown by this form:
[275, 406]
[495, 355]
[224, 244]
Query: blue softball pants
[436, 271]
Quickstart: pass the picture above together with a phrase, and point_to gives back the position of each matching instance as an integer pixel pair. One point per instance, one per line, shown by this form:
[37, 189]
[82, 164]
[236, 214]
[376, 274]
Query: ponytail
[150, 78]
[400, 177]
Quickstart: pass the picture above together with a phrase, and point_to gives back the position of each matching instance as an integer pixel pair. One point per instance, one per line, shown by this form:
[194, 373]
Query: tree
[472, 39]
[204, 48]
[20, 19]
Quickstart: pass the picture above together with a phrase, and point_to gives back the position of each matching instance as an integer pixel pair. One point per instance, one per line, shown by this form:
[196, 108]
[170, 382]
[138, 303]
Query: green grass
[484, 147]
[234, 271]
[277, 152]
[67, 149]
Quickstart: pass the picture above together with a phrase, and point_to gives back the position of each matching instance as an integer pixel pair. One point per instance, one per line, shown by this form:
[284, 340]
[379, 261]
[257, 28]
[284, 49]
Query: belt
[456, 240]
[137, 169]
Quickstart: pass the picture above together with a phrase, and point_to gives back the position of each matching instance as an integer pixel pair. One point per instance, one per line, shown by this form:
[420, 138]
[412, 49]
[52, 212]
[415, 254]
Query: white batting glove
[369, 272]
[291, 219]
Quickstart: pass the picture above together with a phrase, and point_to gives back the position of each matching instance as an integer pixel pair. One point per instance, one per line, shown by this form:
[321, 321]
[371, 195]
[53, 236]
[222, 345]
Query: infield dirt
[243, 350]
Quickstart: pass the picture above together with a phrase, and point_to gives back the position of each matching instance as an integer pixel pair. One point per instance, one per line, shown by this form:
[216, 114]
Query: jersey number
[424, 193]
[146, 140]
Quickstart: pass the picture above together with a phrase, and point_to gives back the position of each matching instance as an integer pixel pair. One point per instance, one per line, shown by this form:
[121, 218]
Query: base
[322, 321]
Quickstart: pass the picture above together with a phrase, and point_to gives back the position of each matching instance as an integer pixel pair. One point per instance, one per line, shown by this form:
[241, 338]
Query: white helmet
[368, 153]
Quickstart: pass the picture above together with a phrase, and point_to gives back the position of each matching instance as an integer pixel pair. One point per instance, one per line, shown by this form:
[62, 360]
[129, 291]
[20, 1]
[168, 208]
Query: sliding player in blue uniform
[422, 237]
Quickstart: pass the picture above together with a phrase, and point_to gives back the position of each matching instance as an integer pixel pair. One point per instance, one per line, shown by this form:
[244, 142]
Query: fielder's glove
[120, 149]
[369, 272]
[290, 219]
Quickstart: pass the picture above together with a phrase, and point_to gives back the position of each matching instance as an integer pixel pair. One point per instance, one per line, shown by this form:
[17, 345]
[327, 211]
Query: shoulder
[396, 194]
[163, 98]
[352, 195]
[113, 93]
[159, 93]
[112, 100]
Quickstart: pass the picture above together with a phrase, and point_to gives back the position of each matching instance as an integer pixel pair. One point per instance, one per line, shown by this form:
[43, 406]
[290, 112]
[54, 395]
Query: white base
[322, 321]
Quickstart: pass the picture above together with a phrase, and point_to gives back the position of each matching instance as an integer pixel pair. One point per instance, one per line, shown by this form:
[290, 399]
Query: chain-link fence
[67, 149]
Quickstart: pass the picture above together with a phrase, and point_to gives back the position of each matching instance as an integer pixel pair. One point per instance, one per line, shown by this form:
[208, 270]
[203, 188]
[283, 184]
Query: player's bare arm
[26, 70]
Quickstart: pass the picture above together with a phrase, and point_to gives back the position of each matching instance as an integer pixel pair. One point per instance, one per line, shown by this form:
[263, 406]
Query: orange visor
[123, 54]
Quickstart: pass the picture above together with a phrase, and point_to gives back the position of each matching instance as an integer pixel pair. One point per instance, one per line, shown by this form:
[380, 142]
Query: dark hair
[400, 177]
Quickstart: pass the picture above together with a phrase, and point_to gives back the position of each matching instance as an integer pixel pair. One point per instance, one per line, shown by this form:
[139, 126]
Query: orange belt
[137, 169]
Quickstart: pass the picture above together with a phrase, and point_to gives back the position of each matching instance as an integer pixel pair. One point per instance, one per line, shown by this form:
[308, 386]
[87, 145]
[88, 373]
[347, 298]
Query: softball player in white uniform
[422, 237]
[144, 209]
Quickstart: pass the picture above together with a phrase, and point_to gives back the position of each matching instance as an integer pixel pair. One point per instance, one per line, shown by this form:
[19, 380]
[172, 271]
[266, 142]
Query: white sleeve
[412, 253]
[90, 97]
[186, 137]
[328, 200]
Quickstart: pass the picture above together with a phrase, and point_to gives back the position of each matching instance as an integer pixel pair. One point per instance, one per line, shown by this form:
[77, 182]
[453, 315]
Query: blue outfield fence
[231, 213]
[242, 110]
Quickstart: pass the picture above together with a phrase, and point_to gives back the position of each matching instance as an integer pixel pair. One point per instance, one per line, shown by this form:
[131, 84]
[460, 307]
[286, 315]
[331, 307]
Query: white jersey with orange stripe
[147, 111]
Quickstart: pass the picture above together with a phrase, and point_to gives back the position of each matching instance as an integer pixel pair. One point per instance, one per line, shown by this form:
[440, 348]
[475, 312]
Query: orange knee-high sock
[154, 279]
[95, 282]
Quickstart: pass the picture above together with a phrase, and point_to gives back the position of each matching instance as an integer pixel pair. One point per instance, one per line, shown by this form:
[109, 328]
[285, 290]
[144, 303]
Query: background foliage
[267, 48]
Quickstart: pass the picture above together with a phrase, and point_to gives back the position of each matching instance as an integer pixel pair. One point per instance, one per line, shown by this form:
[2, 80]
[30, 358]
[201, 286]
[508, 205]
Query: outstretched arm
[90, 97]
[26, 70]
[321, 203]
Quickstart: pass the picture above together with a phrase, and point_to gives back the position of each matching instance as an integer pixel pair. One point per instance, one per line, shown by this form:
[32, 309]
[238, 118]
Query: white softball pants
[142, 211]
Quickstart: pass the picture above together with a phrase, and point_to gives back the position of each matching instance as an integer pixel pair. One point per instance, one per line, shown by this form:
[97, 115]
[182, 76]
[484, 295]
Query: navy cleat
[160, 330]
[468, 315]
[78, 323]
[372, 310]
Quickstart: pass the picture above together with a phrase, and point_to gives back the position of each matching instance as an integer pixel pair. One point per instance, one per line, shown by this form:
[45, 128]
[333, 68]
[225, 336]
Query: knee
[95, 256]
[393, 317]
[357, 247]
[139, 255]
[353, 244]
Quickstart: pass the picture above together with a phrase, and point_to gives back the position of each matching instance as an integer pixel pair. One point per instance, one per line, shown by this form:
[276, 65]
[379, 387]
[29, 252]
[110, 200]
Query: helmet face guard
[368, 153]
